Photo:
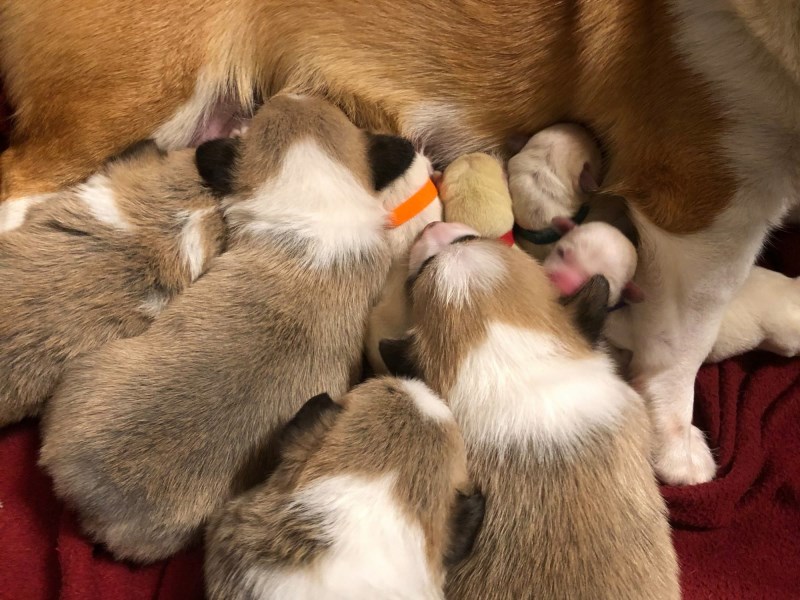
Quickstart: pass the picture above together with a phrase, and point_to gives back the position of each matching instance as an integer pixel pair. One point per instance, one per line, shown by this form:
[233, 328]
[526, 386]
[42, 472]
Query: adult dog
[696, 103]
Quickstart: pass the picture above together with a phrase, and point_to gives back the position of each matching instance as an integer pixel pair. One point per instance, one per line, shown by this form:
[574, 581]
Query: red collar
[507, 238]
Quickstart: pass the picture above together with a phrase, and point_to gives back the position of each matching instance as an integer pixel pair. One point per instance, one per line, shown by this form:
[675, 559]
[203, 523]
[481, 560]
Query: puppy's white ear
[589, 307]
[397, 355]
[632, 293]
[465, 523]
[215, 160]
[587, 180]
[389, 157]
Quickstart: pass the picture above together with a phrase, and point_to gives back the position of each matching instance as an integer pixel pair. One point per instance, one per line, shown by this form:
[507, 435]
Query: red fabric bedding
[737, 537]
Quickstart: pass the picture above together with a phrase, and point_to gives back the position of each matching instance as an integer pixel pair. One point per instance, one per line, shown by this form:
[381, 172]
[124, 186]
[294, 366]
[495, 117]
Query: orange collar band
[414, 205]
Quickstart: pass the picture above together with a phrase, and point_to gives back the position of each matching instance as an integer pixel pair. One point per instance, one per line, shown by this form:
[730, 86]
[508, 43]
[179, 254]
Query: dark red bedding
[737, 537]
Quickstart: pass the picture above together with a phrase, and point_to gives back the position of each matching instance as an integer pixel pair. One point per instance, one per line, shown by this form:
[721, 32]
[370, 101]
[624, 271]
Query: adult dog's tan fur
[123, 269]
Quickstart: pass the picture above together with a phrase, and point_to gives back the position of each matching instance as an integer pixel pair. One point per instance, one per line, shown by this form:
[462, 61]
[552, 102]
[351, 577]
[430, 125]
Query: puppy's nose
[439, 234]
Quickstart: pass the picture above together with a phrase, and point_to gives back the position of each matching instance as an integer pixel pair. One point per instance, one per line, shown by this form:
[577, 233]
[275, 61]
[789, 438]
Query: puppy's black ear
[389, 157]
[136, 149]
[465, 523]
[397, 356]
[589, 306]
[310, 415]
[215, 160]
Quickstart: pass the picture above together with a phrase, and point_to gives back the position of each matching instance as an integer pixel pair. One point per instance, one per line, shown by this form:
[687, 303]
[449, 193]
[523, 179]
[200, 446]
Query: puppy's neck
[401, 237]
[519, 387]
[314, 202]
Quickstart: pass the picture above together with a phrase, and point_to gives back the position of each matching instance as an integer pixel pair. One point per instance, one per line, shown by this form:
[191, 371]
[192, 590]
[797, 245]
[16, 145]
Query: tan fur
[570, 522]
[147, 437]
[474, 191]
[378, 432]
[612, 66]
[116, 280]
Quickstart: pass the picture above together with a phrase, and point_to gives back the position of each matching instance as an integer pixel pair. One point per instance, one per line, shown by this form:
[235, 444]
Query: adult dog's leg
[688, 281]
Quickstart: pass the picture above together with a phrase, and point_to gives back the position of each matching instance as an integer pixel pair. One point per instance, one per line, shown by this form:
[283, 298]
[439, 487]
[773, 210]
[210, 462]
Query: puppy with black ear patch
[371, 500]
[148, 437]
[414, 202]
[555, 439]
[97, 262]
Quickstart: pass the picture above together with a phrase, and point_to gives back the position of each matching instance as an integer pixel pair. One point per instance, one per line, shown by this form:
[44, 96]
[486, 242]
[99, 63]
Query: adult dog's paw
[685, 460]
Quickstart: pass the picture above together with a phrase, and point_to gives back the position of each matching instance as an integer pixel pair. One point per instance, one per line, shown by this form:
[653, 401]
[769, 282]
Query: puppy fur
[391, 316]
[147, 437]
[474, 191]
[370, 500]
[97, 262]
[556, 441]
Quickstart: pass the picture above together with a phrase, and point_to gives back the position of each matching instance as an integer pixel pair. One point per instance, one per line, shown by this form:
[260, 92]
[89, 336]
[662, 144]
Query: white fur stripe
[98, 196]
[192, 243]
[13, 212]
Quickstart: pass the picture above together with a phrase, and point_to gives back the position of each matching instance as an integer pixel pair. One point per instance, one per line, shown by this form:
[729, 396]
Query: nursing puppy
[414, 202]
[148, 436]
[371, 500]
[696, 104]
[555, 440]
[137, 233]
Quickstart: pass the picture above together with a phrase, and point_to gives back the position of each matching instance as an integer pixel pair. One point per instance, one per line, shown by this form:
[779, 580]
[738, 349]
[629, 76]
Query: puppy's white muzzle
[434, 238]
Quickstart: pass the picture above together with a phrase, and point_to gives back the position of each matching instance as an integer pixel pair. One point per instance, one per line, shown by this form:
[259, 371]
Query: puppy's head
[399, 432]
[159, 197]
[302, 170]
[460, 284]
[593, 249]
[475, 192]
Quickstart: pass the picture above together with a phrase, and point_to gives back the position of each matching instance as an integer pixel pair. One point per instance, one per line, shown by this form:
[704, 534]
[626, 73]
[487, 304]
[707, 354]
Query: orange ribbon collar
[414, 205]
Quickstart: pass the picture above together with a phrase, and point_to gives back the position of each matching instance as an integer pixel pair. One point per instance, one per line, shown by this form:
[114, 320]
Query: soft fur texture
[474, 192]
[560, 443]
[148, 436]
[370, 499]
[695, 104]
[391, 316]
[97, 262]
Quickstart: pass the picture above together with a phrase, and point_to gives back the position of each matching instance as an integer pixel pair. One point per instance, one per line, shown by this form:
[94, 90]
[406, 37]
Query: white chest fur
[376, 552]
[516, 388]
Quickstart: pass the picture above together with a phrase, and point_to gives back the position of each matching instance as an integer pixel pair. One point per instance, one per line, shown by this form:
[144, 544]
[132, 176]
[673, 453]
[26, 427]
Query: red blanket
[737, 537]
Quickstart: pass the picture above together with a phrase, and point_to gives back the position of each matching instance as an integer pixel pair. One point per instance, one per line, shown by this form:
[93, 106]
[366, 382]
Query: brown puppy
[695, 103]
[555, 439]
[370, 500]
[137, 233]
[148, 436]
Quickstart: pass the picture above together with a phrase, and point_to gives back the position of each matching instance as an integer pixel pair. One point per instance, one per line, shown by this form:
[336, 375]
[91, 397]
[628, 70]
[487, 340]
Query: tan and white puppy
[137, 233]
[147, 437]
[695, 103]
[390, 318]
[557, 442]
[371, 500]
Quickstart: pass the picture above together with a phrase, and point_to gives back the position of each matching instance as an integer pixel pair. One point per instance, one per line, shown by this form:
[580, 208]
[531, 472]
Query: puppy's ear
[632, 293]
[563, 225]
[397, 356]
[138, 148]
[589, 306]
[389, 157]
[310, 414]
[215, 160]
[465, 523]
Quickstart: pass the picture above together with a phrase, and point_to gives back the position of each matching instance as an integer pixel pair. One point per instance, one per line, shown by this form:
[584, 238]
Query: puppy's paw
[685, 460]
